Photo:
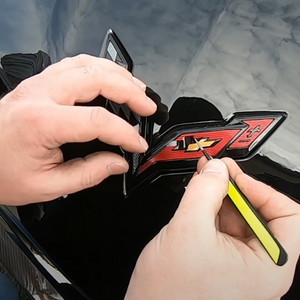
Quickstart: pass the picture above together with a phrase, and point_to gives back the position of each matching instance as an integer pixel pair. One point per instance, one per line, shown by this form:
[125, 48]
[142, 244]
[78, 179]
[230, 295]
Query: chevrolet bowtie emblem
[205, 143]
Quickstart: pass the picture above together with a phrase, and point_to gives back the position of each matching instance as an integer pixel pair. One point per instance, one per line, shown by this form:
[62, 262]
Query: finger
[230, 220]
[79, 174]
[83, 60]
[233, 167]
[265, 199]
[281, 213]
[201, 163]
[76, 124]
[203, 197]
[141, 84]
[85, 84]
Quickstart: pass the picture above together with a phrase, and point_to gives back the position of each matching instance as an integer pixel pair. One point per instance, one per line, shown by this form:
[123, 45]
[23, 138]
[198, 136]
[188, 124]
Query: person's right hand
[207, 251]
[39, 116]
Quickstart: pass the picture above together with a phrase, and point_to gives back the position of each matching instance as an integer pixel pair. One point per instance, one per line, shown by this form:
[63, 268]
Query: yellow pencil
[254, 220]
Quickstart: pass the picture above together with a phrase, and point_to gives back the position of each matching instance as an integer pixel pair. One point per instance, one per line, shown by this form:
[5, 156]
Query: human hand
[207, 252]
[39, 116]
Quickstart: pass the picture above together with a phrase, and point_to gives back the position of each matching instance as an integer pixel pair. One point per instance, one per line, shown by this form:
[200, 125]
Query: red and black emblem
[238, 137]
[174, 152]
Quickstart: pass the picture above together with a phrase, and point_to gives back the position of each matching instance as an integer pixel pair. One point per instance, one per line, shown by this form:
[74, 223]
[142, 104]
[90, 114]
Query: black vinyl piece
[20, 66]
[191, 109]
[5, 85]
[161, 115]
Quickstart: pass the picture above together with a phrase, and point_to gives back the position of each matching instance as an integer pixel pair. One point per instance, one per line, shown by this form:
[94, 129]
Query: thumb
[82, 173]
[204, 196]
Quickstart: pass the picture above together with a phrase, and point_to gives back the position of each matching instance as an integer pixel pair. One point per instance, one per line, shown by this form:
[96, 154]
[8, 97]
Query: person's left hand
[39, 116]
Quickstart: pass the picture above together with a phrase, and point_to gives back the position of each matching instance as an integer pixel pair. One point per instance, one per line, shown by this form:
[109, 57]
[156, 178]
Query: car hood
[240, 55]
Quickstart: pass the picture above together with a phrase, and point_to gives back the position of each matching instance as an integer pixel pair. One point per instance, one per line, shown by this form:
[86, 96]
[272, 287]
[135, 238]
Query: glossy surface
[29, 267]
[240, 55]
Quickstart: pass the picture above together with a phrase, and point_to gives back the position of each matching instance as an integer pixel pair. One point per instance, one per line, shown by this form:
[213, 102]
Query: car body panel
[240, 55]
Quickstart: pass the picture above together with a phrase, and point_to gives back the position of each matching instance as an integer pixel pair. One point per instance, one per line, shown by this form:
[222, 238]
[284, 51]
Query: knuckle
[88, 176]
[95, 72]
[23, 90]
[65, 60]
[126, 74]
[99, 116]
[80, 59]
[86, 179]
[134, 132]
[110, 65]
[75, 61]
[90, 70]
[229, 162]
[31, 88]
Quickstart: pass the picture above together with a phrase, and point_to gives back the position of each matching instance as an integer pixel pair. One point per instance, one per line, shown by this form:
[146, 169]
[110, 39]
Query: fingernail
[152, 103]
[117, 168]
[144, 143]
[214, 166]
